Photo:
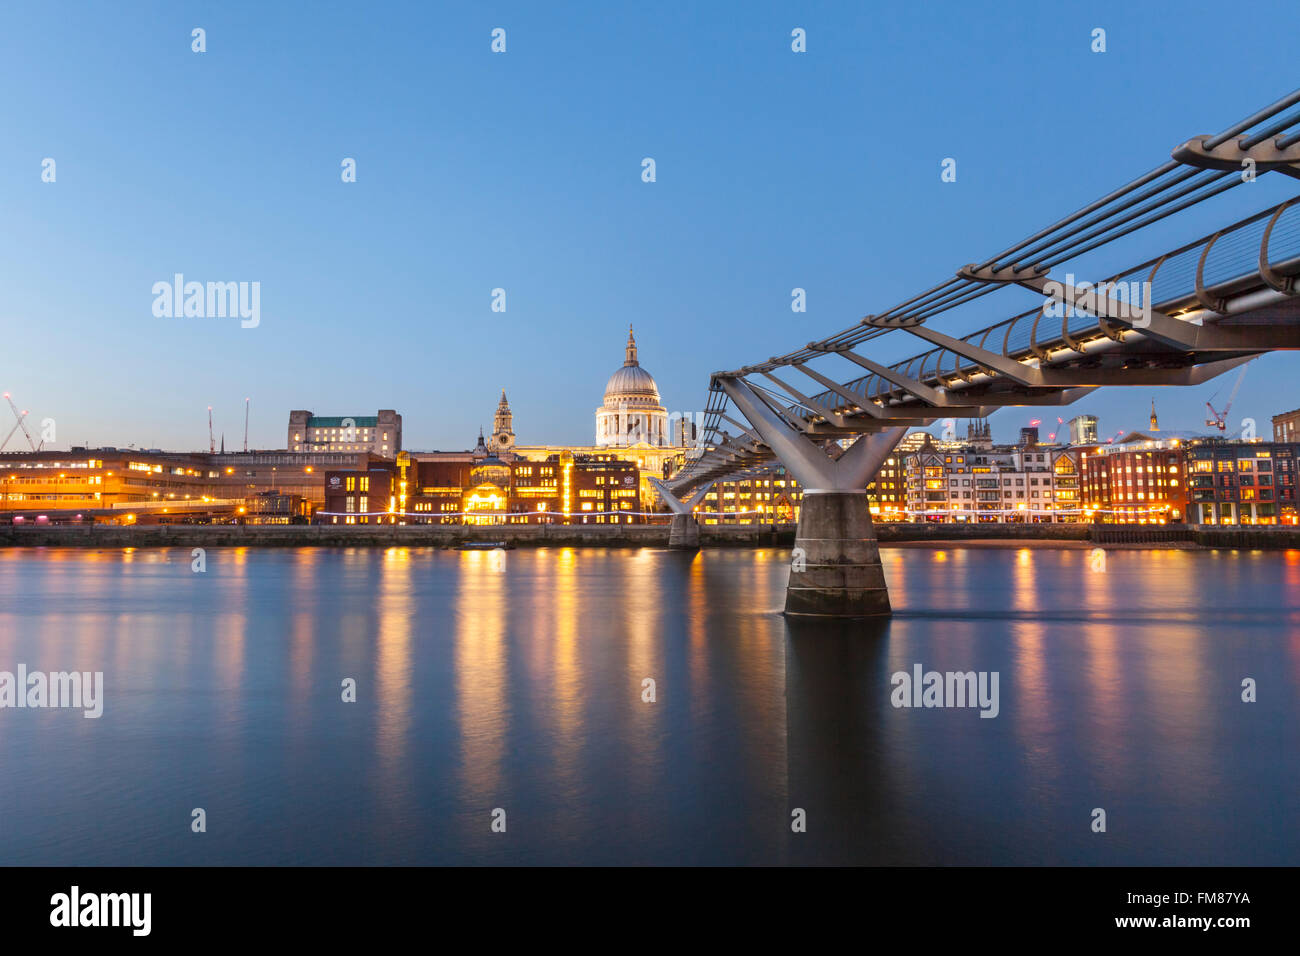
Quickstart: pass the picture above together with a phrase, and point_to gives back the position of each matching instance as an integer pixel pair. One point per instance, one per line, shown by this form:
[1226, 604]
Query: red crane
[1218, 419]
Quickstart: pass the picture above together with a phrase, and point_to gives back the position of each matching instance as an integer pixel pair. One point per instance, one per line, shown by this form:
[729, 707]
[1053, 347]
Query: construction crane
[246, 401]
[212, 442]
[19, 424]
[1218, 419]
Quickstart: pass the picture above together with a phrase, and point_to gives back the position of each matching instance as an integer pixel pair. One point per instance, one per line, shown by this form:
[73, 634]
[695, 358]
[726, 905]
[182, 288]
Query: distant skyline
[522, 171]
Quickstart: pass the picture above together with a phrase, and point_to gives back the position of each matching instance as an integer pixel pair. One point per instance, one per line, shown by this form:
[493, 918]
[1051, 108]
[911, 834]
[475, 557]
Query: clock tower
[502, 441]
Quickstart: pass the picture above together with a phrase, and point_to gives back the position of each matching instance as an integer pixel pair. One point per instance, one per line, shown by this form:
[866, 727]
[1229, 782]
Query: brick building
[1137, 480]
[1233, 482]
[480, 488]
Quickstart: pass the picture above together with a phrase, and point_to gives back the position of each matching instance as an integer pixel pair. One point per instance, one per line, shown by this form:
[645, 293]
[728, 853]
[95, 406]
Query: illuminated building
[1244, 483]
[241, 474]
[379, 434]
[93, 481]
[775, 497]
[772, 497]
[106, 484]
[477, 487]
[1136, 480]
[361, 496]
[978, 482]
[1083, 430]
[274, 507]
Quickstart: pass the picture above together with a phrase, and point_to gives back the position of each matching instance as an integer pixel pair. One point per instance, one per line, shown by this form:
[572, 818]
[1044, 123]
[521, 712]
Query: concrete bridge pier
[684, 532]
[835, 568]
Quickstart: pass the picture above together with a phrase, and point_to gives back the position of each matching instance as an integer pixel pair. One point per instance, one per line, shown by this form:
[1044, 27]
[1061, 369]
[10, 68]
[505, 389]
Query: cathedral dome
[631, 383]
[631, 414]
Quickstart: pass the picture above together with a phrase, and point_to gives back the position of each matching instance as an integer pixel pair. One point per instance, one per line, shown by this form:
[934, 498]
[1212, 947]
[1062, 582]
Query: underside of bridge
[1178, 319]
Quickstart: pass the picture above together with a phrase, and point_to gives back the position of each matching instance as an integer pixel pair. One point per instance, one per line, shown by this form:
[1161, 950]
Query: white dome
[629, 382]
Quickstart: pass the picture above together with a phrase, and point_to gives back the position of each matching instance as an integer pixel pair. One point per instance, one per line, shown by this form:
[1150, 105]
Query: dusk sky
[522, 171]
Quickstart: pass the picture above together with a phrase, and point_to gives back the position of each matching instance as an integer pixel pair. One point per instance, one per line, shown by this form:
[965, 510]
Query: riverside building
[133, 486]
[1241, 483]
[483, 489]
[1137, 480]
[975, 481]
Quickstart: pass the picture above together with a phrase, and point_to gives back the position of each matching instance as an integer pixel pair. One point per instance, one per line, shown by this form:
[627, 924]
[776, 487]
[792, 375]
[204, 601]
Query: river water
[513, 690]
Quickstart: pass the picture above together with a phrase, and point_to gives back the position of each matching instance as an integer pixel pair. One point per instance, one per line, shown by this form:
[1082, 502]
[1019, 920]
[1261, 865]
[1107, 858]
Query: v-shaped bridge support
[835, 568]
[684, 533]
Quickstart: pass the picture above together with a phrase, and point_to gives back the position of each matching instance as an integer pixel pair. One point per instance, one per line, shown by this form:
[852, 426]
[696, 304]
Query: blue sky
[522, 171]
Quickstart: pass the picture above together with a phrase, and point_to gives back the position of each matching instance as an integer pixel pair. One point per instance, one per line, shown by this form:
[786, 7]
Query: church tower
[503, 432]
[1155, 423]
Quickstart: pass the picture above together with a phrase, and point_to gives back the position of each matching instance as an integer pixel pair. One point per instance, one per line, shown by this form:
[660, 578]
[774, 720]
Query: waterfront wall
[296, 536]
[446, 536]
[781, 535]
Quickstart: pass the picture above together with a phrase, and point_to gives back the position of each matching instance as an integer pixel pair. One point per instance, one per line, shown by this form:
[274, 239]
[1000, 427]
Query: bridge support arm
[676, 505]
[808, 462]
[684, 530]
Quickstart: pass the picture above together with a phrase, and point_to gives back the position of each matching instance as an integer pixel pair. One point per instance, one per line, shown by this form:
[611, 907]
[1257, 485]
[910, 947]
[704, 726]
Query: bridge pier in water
[835, 568]
[684, 532]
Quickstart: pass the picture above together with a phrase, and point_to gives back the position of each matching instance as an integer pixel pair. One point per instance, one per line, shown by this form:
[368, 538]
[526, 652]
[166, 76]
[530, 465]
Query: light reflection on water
[482, 686]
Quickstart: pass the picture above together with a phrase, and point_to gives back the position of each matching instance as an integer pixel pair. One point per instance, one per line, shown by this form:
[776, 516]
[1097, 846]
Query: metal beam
[743, 427]
[765, 396]
[831, 416]
[1016, 371]
[911, 386]
[857, 401]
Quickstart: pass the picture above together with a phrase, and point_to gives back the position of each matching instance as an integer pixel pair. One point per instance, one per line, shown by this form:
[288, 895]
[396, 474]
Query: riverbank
[641, 536]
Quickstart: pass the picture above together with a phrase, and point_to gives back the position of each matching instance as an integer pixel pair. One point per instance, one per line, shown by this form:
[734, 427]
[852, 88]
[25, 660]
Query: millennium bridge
[831, 411]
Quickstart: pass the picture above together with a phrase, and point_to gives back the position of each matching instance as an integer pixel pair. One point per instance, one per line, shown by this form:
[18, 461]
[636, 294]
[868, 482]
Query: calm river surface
[480, 687]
